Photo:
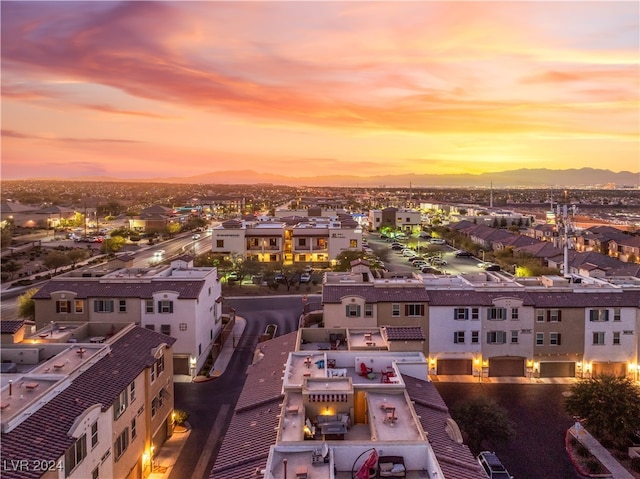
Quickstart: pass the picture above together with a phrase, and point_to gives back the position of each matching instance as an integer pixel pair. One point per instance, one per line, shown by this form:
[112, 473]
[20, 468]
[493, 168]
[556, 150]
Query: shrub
[592, 464]
[180, 416]
[582, 451]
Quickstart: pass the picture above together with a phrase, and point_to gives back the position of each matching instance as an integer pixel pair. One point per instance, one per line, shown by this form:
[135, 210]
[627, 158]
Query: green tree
[6, 238]
[55, 260]
[11, 267]
[113, 244]
[76, 255]
[610, 406]
[482, 420]
[26, 304]
[344, 259]
[173, 228]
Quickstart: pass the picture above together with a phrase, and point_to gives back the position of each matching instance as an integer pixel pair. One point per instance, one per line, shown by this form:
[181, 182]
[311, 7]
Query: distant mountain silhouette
[533, 178]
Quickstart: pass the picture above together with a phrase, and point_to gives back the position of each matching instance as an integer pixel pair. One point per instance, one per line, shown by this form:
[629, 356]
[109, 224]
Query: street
[211, 404]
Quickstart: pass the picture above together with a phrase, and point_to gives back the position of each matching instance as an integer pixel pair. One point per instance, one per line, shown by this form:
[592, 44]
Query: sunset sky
[145, 89]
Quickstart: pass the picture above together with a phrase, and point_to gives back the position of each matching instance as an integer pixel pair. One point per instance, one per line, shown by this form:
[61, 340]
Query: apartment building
[290, 241]
[178, 300]
[86, 410]
[406, 220]
[489, 324]
[319, 414]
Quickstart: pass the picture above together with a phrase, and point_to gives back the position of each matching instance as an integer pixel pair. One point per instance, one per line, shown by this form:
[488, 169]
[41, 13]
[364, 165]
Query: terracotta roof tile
[44, 433]
[10, 326]
[405, 333]
[189, 289]
[334, 293]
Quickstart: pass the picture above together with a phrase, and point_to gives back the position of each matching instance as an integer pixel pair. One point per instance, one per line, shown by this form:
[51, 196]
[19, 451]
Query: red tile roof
[10, 326]
[189, 289]
[44, 434]
[252, 430]
[333, 293]
[405, 333]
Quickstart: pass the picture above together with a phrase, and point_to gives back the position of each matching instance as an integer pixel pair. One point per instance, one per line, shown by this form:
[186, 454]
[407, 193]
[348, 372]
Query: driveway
[537, 411]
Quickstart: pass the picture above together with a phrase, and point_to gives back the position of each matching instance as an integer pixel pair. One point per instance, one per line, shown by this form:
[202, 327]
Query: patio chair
[364, 370]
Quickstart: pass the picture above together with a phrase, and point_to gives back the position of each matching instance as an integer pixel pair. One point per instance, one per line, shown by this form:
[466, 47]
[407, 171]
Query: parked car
[461, 253]
[233, 276]
[438, 262]
[196, 237]
[429, 270]
[420, 264]
[424, 235]
[308, 269]
[279, 278]
[305, 277]
[397, 247]
[492, 267]
[383, 236]
[437, 241]
[492, 466]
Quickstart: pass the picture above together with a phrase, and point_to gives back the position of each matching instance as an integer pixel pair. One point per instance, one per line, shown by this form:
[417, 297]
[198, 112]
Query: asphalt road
[537, 449]
[211, 404]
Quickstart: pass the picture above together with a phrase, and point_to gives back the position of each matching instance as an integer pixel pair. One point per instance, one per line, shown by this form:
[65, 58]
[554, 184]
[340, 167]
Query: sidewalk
[604, 456]
[169, 452]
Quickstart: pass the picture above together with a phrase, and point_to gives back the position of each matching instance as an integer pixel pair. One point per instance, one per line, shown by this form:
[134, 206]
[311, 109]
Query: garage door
[506, 367]
[617, 369]
[454, 366]
[180, 365]
[563, 369]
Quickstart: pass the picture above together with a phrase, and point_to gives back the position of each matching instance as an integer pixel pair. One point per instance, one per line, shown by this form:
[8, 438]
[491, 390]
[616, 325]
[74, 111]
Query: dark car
[492, 466]
[397, 247]
[430, 270]
[492, 267]
[463, 253]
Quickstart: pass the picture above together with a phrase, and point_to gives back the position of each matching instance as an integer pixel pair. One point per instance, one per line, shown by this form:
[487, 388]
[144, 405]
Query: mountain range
[524, 177]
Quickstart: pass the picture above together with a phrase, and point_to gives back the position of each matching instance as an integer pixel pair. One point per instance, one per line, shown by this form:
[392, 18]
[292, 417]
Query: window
[199, 352]
[153, 372]
[353, 310]
[75, 454]
[183, 327]
[414, 309]
[553, 315]
[132, 391]
[160, 364]
[103, 306]
[273, 242]
[353, 243]
[475, 337]
[368, 310]
[598, 338]
[79, 306]
[395, 310]
[165, 329]
[121, 444]
[254, 242]
[458, 337]
[554, 339]
[617, 316]
[219, 243]
[120, 405]
[122, 306]
[149, 306]
[497, 314]
[95, 474]
[515, 314]
[273, 257]
[475, 313]
[616, 338]
[63, 306]
[460, 313]
[165, 306]
[133, 429]
[540, 315]
[496, 337]
[539, 339]
[302, 242]
[514, 337]
[599, 315]
[94, 434]
[151, 327]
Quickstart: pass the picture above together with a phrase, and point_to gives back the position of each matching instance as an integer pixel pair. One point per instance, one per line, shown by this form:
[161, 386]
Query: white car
[196, 237]
[158, 252]
[409, 252]
[438, 262]
[437, 241]
[305, 277]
